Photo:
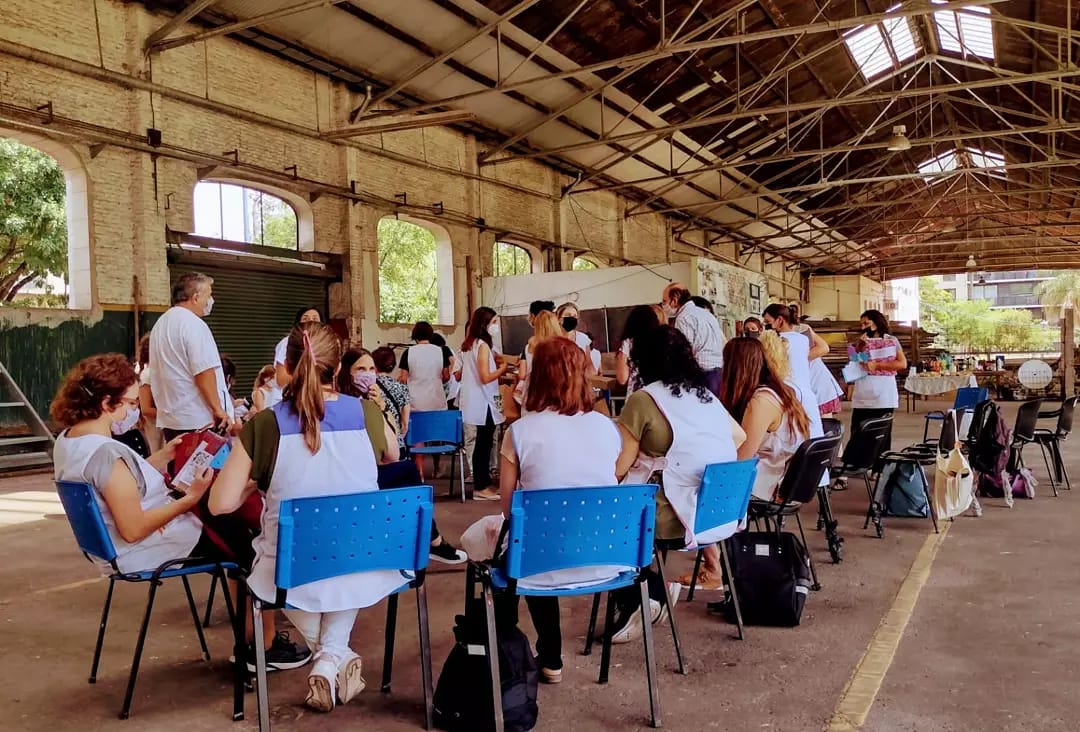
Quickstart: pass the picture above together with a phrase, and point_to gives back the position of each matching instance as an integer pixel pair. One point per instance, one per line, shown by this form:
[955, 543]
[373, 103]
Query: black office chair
[862, 451]
[1050, 440]
[798, 486]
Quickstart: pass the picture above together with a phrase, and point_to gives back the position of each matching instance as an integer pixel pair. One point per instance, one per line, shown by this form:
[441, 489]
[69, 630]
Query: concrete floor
[988, 646]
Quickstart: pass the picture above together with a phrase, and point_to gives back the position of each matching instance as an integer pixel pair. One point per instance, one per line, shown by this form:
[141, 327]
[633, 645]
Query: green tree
[33, 220]
[510, 259]
[273, 222]
[1063, 291]
[933, 300]
[583, 265]
[408, 278]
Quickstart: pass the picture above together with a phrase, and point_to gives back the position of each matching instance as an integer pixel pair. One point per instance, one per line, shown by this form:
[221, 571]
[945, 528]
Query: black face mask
[768, 326]
[869, 332]
[755, 334]
[569, 324]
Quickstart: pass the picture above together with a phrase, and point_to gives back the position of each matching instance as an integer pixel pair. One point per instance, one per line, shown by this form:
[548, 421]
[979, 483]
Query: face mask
[364, 380]
[569, 323]
[209, 307]
[768, 326]
[868, 332]
[670, 311]
[127, 423]
[755, 334]
[494, 330]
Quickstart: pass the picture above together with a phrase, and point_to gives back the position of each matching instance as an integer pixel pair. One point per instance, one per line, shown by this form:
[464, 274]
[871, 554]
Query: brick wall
[133, 196]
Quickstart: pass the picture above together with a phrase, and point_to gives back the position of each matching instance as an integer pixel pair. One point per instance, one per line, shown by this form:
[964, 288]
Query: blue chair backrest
[565, 528]
[330, 536]
[724, 493]
[84, 515]
[443, 425]
[969, 397]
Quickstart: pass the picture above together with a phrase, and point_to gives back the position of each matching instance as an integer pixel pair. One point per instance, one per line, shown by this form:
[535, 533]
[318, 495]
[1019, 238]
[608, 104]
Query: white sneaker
[661, 614]
[632, 630]
[321, 685]
[349, 679]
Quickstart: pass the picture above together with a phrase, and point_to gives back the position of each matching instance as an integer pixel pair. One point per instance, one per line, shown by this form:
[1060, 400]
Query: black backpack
[463, 694]
[990, 444]
[772, 578]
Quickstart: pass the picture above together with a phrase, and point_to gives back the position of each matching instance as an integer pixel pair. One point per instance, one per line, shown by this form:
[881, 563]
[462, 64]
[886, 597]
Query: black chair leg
[391, 632]
[425, 656]
[493, 656]
[731, 587]
[671, 617]
[238, 622]
[262, 693]
[694, 575]
[802, 535]
[830, 524]
[1049, 470]
[195, 617]
[210, 599]
[592, 625]
[1061, 464]
[929, 499]
[605, 648]
[126, 709]
[650, 655]
[101, 633]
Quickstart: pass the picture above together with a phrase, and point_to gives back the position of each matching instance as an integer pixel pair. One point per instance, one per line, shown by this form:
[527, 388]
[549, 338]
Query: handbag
[772, 578]
[953, 481]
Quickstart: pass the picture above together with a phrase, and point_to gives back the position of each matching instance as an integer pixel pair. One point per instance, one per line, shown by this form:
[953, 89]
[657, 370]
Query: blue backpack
[900, 490]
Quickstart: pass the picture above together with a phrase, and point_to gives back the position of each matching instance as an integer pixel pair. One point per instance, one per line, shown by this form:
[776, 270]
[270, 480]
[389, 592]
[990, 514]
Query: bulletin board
[735, 293]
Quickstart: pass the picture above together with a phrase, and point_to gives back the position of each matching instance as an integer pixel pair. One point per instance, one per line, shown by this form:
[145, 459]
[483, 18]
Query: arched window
[510, 259]
[44, 225]
[583, 265]
[416, 272]
[237, 213]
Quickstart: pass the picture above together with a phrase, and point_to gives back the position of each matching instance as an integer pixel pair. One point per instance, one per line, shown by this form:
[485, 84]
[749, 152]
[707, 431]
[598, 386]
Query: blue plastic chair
[967, 397]
[332, 536]
[84, 516]
[439, 432]
[567, 528]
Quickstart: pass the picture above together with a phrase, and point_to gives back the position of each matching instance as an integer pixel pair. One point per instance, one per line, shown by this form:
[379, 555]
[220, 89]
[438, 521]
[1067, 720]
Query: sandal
[706, 580]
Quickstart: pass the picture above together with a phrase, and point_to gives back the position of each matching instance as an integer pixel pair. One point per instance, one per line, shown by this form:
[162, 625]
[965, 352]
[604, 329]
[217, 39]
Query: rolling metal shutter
[253, 310]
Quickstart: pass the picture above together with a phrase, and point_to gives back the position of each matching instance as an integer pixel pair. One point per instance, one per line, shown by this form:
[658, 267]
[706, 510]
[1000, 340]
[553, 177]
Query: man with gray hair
[700, 327]
[187, 380]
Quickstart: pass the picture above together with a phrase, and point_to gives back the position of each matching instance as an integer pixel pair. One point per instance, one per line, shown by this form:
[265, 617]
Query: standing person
[395, 395]
[540, 306]
[569, 317]
[875, 395]
[452, 387]
[425, 368]
[480, 374]
[558, 442]
[187, 378]
[545, 326]
[671, 429]
[313, 443]
[700, 327]
[281, 374]
[778, 317]
[641, 320]
[752, 327]
[147, 407]
[262, 395]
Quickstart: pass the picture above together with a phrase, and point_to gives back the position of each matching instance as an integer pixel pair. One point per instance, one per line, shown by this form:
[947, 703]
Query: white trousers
[326, 634]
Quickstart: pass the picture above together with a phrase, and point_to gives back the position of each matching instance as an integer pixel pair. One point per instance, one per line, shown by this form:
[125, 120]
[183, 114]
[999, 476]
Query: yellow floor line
[863, 686]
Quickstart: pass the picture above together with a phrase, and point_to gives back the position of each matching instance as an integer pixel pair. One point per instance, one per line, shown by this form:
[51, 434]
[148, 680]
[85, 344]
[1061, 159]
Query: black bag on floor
[772, 578]
[463, 694]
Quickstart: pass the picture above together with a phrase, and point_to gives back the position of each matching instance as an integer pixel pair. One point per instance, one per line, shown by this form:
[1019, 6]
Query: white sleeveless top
[566, 451]
[701, 436]
[822, 381]
[476, 398]
[426, 391]
[345, 463]
[774, 454]
[90, 459]
[799, 356]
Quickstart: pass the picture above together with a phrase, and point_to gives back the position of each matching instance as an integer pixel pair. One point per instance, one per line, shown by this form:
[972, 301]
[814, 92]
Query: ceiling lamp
[897, 141]
[971, 264]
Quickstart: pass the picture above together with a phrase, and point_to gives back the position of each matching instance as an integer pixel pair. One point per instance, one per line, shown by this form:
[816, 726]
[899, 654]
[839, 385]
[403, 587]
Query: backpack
[990, 440]
[463, 695]
[772, 578]
[900, 490]
[1024, 483]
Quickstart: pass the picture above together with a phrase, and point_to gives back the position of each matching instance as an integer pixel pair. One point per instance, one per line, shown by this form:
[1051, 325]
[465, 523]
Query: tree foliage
[510, 259]
[972, 326]
[273, 222]
[582, 265]
[33, 220]
[408, 275]
[1063, 291]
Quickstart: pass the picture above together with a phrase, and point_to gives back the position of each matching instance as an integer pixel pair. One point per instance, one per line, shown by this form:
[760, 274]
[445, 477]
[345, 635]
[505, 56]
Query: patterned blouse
[396, 396]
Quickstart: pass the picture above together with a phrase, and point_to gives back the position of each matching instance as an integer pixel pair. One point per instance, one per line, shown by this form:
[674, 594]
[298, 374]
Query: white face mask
[494, 330]
[209, 306]
[127, 423]
[669, 310]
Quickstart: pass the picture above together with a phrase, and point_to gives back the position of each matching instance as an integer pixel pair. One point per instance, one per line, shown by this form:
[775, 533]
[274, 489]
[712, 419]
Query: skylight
[968, 31]
[942, 163]
[882, 46]
[986, 158]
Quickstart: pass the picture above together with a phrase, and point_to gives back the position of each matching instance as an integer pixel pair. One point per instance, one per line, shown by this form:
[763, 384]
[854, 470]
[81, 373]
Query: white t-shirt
[182, 346]
[583, 341]
[279, 351]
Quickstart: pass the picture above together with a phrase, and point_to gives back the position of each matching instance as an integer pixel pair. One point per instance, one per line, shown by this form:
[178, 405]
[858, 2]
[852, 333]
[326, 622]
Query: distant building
[902, 300]
[1002, 289]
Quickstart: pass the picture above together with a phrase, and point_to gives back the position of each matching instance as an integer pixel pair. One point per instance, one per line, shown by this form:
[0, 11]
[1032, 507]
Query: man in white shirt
[187, 380]
[701, 328]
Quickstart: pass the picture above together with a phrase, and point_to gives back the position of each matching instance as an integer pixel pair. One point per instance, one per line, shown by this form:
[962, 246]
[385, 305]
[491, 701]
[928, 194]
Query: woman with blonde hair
[263, 393]
[545, 325]
[313, 443]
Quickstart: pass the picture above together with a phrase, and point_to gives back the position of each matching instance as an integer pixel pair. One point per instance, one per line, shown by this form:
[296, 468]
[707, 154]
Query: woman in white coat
[480, 374]
[425, 367]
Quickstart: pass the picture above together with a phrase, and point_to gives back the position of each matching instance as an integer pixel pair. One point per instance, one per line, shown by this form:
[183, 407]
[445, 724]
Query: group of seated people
[340, 425]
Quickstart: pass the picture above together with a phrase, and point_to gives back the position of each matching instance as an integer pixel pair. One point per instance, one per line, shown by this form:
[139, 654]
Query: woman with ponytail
[313, 443]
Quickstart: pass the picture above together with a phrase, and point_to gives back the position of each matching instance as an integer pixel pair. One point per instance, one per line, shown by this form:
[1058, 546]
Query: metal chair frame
[1049, 441]
[439, 432]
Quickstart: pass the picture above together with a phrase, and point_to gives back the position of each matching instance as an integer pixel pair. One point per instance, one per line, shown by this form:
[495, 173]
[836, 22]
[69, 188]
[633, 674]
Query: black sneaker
[282, 655]
[446, 553]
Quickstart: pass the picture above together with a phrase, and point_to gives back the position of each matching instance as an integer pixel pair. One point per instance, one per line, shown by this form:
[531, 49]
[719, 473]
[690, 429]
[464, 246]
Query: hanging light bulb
[971, 263]
[897, 141]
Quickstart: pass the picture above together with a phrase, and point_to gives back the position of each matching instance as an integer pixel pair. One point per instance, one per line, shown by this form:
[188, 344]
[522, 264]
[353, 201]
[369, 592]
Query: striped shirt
[702, 329]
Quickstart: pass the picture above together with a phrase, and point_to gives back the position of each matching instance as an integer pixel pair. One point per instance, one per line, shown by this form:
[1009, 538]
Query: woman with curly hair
[671, 429]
